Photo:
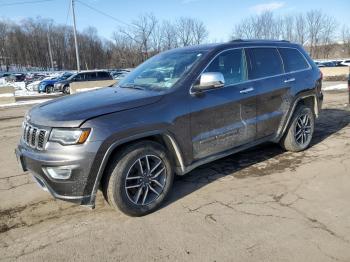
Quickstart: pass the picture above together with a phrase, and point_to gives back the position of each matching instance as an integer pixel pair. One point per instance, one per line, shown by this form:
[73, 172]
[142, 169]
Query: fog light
[60, 172]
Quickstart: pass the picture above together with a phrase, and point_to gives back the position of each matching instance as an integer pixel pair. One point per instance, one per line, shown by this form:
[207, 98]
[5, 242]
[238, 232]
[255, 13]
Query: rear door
[224, 118]
[265, 70]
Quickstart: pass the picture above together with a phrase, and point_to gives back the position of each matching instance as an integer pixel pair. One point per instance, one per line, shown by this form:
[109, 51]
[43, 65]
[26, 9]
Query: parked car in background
[32, 77]
[4, 75]
[319, 64]
[130, 139]
[346, 63]
[47, 86]
[119, 76]
[16, 77]
[64, 85]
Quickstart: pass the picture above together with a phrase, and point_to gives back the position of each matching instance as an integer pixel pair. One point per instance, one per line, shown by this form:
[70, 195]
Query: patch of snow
[23, 103]
[79, 90]
[33, 86]
[336, 87]
[32, 93]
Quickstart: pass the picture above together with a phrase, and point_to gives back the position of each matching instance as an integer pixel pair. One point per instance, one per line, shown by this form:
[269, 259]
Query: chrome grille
[34, 137]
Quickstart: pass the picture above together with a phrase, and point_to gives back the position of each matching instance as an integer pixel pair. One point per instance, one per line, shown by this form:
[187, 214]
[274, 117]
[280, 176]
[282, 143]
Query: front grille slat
[34, 136]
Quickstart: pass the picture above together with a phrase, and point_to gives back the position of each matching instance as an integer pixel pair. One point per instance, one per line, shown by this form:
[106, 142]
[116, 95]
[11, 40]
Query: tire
[299, 134]
[49, 89]
[122, 190]
[66, 90]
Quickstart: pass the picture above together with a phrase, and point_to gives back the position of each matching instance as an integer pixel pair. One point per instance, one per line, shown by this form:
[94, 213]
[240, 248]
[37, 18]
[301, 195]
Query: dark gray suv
[178, 110]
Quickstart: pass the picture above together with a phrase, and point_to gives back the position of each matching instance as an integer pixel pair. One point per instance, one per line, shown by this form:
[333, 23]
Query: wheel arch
[309, 100]
[164, 138]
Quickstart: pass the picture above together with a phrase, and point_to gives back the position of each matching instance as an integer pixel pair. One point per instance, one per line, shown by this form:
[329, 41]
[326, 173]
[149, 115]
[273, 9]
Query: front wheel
[300, 130]
[139, 179]
[49, 89]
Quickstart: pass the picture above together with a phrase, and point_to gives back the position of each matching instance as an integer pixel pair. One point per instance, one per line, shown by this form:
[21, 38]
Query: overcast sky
[218, 15]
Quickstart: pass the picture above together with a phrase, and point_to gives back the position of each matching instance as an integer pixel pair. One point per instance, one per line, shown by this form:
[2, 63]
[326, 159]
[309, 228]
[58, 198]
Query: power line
[25, 2]
[103, 13]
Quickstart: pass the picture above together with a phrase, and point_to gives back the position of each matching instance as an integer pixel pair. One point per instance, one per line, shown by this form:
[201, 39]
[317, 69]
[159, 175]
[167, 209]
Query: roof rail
[257, 40]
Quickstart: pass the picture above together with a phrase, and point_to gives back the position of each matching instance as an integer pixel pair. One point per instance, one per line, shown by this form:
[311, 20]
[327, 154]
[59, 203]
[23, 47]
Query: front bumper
[76, 189]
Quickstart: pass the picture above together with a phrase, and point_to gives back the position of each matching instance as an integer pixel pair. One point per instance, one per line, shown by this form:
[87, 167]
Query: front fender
[107, 148]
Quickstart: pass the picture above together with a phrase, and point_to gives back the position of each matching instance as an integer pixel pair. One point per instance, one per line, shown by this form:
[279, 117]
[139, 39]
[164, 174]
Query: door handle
[289, 80]
[247, 90]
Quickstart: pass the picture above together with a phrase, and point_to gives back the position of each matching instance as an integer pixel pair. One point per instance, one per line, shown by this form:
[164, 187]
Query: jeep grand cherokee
[176, 111]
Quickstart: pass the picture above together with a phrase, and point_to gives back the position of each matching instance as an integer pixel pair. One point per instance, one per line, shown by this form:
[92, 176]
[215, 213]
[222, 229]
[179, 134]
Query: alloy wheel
[303, 129]
[145, 180]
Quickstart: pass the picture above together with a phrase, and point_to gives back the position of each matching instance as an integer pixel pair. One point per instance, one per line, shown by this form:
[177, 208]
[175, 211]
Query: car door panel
[265, 69]
[224, 118]
[229, 122]
[273, 99]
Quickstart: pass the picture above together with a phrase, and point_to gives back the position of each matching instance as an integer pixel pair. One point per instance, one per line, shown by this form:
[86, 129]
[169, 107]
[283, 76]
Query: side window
[231, 64]
[293, 60]
[102, 75]
[90, 76]
[263, 62]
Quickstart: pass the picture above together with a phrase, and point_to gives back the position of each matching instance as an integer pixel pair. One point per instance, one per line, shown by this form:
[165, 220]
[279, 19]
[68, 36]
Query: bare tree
[345, 34]
[200, 33]
[300, 29]
[169, 39]
[140, 31]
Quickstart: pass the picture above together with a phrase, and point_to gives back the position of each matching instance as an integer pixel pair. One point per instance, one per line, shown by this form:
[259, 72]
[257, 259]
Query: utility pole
[50, 52]
[75, 36]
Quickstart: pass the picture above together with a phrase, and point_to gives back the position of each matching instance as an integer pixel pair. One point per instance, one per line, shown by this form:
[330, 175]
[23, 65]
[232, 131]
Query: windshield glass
[72, 76]
[161, 72]
[64, 76]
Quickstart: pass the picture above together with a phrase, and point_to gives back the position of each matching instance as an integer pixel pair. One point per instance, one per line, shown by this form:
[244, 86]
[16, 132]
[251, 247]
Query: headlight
[69, 136]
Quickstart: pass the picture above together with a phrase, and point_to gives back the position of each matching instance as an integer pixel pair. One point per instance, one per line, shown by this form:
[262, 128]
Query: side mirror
[210, 80]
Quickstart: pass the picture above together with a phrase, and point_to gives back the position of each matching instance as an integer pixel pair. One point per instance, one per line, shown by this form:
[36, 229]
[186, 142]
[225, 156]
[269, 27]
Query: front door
[226, 117]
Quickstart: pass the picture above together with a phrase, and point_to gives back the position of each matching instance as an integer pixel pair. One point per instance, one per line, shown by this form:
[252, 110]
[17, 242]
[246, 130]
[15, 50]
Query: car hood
[73, 110]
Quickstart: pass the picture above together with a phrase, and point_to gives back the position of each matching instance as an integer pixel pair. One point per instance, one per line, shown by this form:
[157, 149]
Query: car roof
[236, 44]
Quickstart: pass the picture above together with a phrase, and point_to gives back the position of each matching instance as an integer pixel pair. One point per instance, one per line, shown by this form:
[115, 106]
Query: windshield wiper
[133, 86]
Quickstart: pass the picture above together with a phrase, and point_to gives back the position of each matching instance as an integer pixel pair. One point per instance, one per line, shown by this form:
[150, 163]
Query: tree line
[314, 30]
[26, 43]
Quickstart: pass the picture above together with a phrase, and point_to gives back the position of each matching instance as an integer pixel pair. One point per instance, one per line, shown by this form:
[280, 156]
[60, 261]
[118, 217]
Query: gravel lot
[259, 205]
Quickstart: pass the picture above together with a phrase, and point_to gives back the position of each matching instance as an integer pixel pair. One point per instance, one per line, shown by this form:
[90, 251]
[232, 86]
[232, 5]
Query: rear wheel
[66, 90]
[138, 181]
[300, 130]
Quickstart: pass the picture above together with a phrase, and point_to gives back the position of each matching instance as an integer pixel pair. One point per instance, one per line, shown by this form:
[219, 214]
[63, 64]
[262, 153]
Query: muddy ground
[263, 204]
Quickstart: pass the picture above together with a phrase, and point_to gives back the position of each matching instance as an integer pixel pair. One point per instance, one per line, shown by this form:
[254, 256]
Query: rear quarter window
[103, 75]
[293, 60]
[263, 62]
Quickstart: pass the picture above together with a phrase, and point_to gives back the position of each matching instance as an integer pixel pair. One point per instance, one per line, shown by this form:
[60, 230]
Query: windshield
[161, 72]
[72, 76]
[64, 76]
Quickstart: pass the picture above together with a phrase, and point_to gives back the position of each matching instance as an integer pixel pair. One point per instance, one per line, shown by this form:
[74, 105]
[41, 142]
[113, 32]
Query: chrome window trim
[250, 80]
[307, 61]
